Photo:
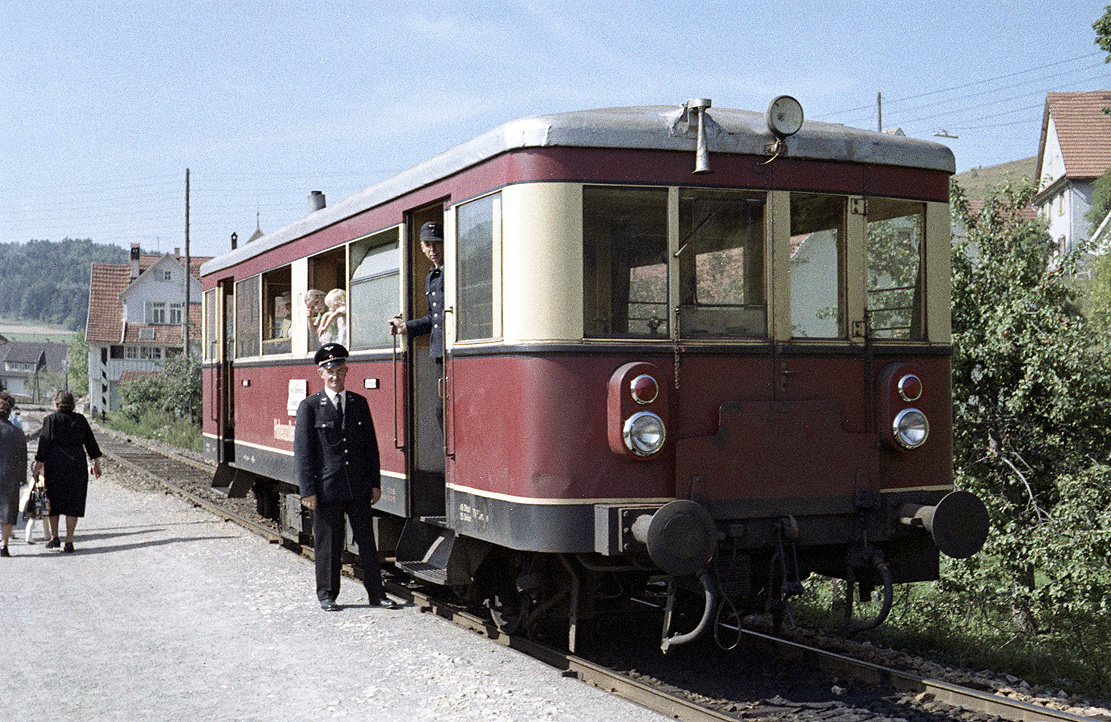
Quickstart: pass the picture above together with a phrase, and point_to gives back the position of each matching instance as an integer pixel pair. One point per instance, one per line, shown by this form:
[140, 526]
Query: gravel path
[166, 613]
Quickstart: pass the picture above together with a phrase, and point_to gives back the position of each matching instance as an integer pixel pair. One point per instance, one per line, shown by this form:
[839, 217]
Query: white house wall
[150, 287]
[1053, 162]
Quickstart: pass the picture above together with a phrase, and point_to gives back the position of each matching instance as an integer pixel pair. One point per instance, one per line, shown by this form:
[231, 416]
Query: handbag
[38, 504]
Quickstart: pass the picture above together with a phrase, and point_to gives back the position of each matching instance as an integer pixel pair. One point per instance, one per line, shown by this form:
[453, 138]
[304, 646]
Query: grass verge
[158, 426]
[1072, 655]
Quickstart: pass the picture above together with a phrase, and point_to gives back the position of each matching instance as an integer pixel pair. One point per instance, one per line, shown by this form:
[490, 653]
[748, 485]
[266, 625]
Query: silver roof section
[651, 127]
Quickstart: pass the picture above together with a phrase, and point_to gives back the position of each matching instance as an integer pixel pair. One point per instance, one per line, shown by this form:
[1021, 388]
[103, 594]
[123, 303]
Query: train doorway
[225, 381]
[425, 401]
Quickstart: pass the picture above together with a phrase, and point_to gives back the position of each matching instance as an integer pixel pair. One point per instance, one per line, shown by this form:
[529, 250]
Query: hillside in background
[978, 181]
[48, 281]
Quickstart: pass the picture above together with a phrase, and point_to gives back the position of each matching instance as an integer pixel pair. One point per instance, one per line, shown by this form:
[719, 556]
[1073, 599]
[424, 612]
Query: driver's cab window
[625, 262]
[721, 265]
[817, 265]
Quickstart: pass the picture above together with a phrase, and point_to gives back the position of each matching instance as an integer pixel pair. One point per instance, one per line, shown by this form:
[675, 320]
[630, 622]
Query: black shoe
[4, 552]
[385, 603]
[68, 547]
[329, 605]
[54, 543]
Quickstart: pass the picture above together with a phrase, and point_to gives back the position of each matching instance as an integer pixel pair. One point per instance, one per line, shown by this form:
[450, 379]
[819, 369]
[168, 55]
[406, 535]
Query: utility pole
[188, 274]
[879, 111]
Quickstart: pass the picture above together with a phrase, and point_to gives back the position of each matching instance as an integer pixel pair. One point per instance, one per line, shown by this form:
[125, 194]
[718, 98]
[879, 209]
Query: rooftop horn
[702, 148]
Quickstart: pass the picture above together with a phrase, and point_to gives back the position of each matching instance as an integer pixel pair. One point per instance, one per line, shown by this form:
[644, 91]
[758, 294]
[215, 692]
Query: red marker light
[910, 388]
[644, 389]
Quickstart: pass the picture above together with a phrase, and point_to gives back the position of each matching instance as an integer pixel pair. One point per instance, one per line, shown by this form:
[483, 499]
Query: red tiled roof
[1083, 130]
[105, 324]
[1026, 213]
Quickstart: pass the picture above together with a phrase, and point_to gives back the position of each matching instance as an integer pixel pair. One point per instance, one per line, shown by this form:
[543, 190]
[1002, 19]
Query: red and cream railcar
[692, 341]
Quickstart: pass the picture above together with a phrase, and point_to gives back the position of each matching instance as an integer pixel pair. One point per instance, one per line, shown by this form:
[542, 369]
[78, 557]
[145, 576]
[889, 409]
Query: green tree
[78, 366]
[176, 390]
[1103, 33]
[1031, 422]
[1101, 201]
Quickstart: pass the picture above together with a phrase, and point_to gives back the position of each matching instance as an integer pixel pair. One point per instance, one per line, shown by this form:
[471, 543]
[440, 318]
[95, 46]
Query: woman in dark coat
[65, 439]
[13, 473]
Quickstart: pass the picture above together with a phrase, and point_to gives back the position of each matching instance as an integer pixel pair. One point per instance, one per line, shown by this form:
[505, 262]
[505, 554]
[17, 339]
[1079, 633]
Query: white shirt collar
[331, 395]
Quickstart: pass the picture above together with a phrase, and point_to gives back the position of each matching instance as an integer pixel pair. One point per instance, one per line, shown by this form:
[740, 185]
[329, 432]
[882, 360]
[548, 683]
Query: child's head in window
[314, 300]
[336, 298]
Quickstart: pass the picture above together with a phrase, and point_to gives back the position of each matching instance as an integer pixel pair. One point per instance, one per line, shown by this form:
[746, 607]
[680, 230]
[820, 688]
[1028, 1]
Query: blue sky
[103, 105]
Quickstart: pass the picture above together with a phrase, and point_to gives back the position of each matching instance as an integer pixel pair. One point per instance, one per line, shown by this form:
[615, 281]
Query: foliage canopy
[49, 282]
[1031, 422]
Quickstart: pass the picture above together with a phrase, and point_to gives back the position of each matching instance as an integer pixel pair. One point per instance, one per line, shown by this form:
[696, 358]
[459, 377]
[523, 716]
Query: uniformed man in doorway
[432, 323]
[336, 453]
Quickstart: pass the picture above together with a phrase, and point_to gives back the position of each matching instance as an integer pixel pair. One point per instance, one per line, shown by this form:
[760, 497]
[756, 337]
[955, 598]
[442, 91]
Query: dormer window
[156, 312]
[161, 313]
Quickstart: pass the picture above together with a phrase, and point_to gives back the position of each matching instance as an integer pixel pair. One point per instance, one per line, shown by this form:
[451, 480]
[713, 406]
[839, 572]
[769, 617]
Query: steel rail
[946, 692]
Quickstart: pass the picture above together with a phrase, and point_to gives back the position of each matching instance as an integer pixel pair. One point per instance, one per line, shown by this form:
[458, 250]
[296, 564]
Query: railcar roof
[649, 127]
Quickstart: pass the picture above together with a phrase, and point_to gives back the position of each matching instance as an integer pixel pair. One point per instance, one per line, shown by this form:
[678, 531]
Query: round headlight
[910, 428]
[644, 433]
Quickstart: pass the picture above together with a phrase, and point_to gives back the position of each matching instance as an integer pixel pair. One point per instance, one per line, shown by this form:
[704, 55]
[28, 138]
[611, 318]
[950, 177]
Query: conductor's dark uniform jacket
[336, 462]
[432, 322]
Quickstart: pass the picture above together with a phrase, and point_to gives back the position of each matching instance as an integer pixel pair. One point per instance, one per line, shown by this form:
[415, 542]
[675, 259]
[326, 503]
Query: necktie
[339, 408]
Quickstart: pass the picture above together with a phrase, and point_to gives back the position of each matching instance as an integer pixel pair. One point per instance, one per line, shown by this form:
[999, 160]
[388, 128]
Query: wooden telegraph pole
[188, 274]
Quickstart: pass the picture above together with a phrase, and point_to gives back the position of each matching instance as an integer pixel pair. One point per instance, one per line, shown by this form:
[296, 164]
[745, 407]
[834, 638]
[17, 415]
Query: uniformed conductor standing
[432, 323]
[338, 470]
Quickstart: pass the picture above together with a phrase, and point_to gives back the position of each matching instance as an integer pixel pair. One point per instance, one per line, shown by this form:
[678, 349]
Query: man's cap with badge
[329, 355]
[432, 232]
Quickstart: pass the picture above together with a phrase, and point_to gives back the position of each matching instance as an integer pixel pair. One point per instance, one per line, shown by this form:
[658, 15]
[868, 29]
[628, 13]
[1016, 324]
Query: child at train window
[314, 305]
[333, 326]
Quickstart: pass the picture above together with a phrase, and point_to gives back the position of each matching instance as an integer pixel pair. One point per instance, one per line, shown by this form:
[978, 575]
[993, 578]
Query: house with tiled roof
[24, 366]
[136, 310]
[1075, 150]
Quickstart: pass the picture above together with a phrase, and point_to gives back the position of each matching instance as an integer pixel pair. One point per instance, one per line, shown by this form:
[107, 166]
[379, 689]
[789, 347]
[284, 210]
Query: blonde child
[33, 512]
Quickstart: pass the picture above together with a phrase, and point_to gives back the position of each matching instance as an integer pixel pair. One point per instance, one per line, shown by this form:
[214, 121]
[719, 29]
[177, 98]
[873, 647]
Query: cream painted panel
[938, 273]
[779, 283]
[299, 322]
[542, 266]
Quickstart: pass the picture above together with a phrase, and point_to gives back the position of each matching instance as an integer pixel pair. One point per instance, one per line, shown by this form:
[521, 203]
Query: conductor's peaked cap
[432, 232]
[329, 355]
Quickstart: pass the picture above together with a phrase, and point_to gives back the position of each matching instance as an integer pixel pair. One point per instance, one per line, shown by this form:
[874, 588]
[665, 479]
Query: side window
[625, 262]
[375, 289]
[895, 283]
[817, 265]
[478, 228]
[210, 324]
[277, 293]
[327, 274]
[247, 317]
[721, 265]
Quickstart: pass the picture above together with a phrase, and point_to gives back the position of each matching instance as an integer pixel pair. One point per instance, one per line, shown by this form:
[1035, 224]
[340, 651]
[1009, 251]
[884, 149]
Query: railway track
[919, 698]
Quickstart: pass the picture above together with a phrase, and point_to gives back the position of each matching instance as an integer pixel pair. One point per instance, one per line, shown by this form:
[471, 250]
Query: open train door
[220, 324]
[426, 379]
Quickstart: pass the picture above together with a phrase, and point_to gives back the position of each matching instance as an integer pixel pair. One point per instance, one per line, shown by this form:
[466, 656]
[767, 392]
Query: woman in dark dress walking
[65, 439]
[13, 473]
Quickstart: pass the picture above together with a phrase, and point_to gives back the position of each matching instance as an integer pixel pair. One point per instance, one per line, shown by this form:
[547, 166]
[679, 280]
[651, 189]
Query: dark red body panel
[535, 427]
[261, 415]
